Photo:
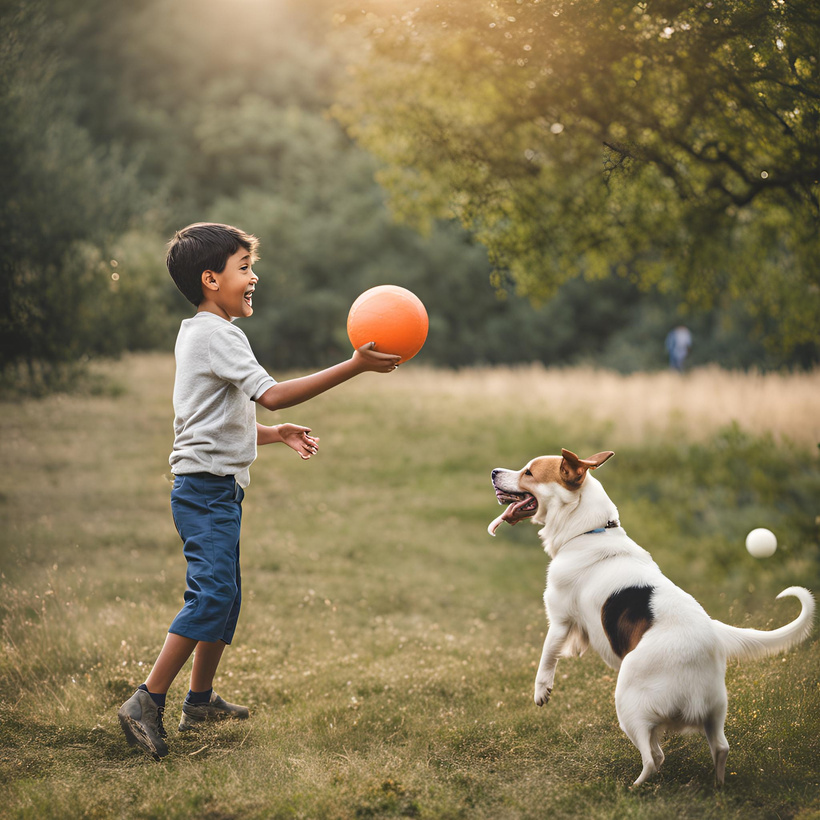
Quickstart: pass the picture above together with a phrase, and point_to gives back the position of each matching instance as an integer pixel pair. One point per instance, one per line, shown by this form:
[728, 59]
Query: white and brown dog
[605, 591]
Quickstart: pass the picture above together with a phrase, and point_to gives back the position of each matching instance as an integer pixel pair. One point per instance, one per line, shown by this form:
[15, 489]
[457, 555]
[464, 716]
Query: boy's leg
[207, 511]
[141, 715]
[206, 660]
[202, 703]
[175, 652]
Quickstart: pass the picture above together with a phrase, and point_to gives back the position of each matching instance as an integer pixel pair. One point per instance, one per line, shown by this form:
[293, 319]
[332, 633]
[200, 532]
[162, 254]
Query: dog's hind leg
[646, 742]
[655, 742]
[718, 745]
[642, 728]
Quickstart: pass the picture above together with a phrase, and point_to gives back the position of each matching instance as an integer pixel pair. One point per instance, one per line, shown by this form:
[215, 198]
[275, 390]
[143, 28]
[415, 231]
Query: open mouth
[249, 297]
[519, 507]
[505, 497]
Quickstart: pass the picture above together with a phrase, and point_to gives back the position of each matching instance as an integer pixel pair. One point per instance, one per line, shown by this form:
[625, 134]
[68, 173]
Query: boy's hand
[299, 439]
[368, 359]
[296, 437]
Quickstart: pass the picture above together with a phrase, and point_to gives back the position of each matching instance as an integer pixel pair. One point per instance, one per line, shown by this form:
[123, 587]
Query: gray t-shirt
[217, 381]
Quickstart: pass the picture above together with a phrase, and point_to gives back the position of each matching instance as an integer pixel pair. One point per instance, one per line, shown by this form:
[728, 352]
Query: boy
[217, 382]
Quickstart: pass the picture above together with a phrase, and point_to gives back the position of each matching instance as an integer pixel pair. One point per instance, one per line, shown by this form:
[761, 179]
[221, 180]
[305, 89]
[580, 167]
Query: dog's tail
[755, 643]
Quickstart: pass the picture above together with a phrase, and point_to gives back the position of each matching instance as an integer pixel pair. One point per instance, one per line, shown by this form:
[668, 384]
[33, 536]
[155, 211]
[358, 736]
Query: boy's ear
[209, 280]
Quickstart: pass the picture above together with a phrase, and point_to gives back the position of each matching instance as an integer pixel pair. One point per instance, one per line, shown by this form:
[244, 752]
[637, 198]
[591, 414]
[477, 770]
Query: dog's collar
[609, 525]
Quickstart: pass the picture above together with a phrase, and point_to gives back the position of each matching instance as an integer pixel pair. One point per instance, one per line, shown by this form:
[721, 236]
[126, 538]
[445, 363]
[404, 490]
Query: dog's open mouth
[519, 507]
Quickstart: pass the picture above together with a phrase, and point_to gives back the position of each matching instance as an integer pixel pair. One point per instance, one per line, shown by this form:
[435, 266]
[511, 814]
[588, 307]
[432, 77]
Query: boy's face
[229, 294]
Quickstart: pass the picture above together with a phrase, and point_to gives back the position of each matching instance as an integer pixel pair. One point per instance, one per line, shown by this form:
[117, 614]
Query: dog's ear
[574, 469]
[598, 459]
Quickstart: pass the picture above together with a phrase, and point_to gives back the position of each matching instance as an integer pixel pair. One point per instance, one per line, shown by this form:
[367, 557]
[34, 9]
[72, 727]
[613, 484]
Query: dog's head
[544, 486]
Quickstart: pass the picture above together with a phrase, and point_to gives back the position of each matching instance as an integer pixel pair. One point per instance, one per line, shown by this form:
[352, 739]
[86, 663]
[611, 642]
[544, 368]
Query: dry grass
[642, 405]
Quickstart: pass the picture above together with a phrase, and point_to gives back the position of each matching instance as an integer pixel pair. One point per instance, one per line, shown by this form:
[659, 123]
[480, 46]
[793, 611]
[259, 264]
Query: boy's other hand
[299, 439]
[368, 359]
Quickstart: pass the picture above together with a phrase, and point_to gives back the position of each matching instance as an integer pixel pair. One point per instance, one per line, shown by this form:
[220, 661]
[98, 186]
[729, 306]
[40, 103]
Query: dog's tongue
[515, 512]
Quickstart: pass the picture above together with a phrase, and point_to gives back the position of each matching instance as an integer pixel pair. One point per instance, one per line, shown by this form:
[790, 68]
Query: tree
[64, 201]
[675, 143]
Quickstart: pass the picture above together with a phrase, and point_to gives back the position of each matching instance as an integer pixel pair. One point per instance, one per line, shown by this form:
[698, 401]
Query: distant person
[217, 386]
[678, 342]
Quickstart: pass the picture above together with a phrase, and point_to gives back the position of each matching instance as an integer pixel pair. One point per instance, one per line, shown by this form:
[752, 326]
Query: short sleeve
[232, 360]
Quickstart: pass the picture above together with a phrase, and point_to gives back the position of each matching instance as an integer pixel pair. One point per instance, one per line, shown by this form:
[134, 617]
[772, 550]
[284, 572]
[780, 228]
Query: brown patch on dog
[567, 469]
[542, 470]
[626, 616]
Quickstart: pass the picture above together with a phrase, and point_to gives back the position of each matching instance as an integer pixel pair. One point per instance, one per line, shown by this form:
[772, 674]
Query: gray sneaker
[195, 714]
[141, 720]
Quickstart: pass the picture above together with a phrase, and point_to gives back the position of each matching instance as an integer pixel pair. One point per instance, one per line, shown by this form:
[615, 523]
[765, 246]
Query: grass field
[388, 645]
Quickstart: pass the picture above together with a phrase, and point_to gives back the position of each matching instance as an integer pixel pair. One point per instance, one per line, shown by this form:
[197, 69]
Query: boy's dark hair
[200, 247]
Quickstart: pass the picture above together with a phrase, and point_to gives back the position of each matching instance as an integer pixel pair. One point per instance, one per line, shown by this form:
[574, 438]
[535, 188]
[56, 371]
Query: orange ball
[392, 317]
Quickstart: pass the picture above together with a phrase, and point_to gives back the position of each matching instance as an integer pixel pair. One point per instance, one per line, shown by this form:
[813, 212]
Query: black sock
[158, 699]
[199, 697]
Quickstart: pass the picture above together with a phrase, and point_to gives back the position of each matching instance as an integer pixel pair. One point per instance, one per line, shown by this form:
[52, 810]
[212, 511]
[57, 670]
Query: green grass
[387, 644]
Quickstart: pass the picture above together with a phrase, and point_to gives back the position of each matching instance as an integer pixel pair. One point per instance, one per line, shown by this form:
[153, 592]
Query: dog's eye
[527, 472]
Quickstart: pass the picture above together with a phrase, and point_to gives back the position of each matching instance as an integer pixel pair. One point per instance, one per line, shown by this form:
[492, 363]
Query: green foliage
[124, 123]
[64, 199]
[674, 142]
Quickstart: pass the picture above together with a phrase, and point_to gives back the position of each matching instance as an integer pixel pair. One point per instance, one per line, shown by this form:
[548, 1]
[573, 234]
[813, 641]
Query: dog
[605, 591]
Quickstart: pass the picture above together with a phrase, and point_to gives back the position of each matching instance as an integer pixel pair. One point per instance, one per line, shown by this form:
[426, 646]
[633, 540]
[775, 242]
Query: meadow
[388, 645]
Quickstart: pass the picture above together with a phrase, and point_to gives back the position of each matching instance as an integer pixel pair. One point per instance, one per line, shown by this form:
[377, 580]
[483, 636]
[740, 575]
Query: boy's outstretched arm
[296, 391]
[296, 437]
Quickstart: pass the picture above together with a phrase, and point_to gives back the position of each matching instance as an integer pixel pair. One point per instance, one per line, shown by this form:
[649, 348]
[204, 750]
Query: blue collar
[609, 525]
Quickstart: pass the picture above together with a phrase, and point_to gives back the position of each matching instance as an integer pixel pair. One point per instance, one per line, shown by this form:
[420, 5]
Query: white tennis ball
[761, 543]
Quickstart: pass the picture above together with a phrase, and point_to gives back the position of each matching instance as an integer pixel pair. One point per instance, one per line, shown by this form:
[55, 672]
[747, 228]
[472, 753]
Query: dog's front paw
[542, 694]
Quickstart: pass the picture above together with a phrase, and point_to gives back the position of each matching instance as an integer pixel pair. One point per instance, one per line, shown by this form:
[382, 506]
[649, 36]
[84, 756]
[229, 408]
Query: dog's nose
[495, 473]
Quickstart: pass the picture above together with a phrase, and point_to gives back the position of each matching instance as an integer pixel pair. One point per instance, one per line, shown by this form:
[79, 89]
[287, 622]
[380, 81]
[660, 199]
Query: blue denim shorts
[207, 512]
